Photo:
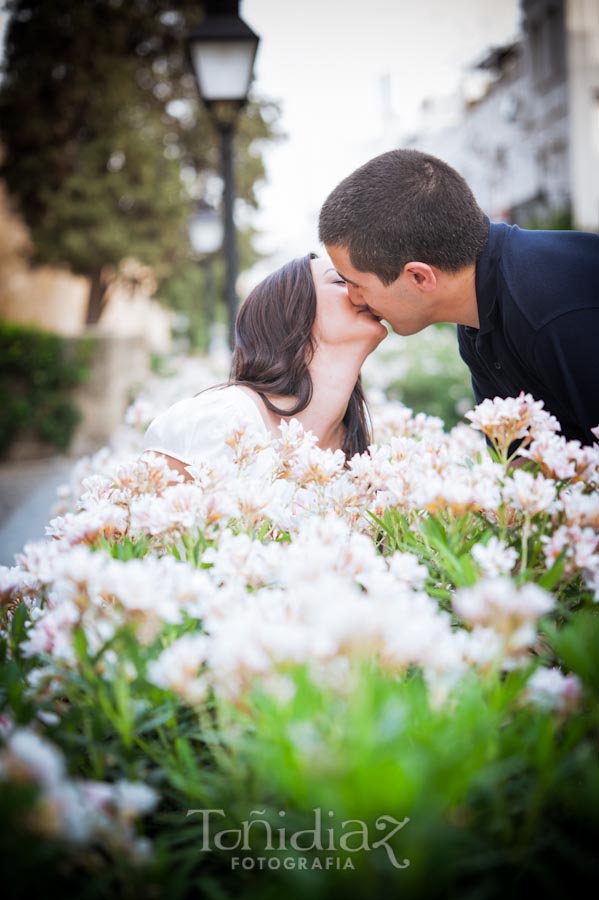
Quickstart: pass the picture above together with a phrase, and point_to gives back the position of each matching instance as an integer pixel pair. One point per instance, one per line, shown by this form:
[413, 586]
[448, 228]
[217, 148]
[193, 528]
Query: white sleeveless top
[196, 426]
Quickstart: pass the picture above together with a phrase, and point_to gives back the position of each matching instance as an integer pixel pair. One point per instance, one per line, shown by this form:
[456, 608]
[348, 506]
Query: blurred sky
[327, 61]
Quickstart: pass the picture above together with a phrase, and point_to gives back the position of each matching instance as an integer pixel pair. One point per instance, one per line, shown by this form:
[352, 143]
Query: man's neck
[459, 297]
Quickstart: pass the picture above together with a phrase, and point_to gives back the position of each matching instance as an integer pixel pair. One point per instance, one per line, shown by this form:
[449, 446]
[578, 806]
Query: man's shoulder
[547, 274]
[533, 240]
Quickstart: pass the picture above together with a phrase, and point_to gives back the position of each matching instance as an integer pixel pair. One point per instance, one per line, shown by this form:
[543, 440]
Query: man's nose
[353, 295]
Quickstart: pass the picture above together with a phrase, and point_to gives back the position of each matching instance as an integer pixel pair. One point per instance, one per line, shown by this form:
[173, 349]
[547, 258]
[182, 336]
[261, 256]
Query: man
[406, 234]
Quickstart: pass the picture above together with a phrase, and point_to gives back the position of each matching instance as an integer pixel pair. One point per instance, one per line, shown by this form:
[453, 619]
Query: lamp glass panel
[206, 233]
[223, 69]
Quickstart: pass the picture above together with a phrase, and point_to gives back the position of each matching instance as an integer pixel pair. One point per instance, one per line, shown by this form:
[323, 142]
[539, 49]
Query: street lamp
[205, 230]
[222, 50]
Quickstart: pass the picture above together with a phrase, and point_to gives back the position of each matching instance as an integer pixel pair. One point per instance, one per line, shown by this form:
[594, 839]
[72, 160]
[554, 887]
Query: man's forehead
[340, 258]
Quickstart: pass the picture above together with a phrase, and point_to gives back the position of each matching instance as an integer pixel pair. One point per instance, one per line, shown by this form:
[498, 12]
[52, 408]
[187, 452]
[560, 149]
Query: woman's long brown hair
[274, 346]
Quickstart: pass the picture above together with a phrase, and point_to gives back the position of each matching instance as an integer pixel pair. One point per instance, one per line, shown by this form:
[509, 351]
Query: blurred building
[527, 140]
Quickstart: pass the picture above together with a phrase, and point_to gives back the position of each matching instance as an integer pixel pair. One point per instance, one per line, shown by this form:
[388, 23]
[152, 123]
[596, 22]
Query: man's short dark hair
[401, 206]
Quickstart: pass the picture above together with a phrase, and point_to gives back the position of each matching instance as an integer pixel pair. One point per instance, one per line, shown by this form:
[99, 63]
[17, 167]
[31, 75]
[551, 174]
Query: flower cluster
[75, 810]
[505, 420]
[425, 552]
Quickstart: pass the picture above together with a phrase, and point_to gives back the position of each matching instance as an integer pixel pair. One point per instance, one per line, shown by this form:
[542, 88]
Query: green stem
[525, 538]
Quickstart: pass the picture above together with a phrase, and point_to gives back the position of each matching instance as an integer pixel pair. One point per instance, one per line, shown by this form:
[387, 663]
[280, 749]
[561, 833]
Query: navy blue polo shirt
[538, 303]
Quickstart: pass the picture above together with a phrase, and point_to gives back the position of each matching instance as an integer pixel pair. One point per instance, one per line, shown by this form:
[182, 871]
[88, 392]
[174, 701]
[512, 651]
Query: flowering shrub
[411, 635]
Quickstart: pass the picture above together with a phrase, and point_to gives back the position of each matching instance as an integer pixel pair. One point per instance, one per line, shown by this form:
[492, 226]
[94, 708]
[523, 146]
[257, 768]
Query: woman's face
[338, 321]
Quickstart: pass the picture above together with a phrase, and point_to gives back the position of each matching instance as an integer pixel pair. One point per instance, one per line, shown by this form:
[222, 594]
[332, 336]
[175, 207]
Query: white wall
[582, 27]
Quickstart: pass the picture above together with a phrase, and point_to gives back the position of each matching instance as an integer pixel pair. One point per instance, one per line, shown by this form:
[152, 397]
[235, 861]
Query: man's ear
[420, 275]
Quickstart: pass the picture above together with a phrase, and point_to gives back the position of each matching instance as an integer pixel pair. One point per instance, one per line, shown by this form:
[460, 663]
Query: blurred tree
[557, 220]
[105, 143]
[187, 291]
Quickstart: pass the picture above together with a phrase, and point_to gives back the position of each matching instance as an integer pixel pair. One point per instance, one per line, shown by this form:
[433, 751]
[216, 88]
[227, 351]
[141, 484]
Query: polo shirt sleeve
[566, 355]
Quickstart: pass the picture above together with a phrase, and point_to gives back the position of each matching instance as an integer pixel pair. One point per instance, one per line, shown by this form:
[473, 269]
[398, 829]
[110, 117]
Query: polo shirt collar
[487, 268]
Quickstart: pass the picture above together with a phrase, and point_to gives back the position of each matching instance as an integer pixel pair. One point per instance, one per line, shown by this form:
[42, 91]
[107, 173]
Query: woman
[299, 347]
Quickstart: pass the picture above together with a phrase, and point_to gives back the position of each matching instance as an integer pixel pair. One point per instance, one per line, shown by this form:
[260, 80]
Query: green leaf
[155, 721]
[576, 645]
[553, 575]
[17, 626]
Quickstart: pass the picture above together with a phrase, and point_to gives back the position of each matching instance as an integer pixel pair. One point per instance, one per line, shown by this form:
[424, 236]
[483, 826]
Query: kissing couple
[407, 243]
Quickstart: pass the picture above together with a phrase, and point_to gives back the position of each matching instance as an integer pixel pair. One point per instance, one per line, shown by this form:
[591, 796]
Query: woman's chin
[382, 332]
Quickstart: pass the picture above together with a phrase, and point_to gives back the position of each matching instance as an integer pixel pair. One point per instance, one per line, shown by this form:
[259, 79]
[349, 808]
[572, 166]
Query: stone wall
[120, 367]
[582, 23]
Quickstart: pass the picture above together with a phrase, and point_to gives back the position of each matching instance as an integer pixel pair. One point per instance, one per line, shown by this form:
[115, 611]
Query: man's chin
[406, 330]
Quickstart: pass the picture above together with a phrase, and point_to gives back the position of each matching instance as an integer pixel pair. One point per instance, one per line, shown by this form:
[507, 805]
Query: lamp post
[205, 230]
[222, 50]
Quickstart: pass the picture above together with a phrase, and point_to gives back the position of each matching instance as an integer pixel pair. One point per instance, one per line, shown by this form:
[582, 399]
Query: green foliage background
[38, 371]
[425, 372]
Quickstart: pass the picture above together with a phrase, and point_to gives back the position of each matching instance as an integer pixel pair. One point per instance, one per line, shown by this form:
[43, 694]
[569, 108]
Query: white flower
[407, 570]
[240, 559]
[134, 799]
[315, 466]
[579, 507]
[256, 500]
[580, 547]
[502, 604]
[177, 668]
[29, 757]
[510, 610]
[52, 633]
[105, 519]
[505, 420]
[251, 449]
[494, 558]
[551, 689]
[531, 493]
[558, 458]
[482, 646]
